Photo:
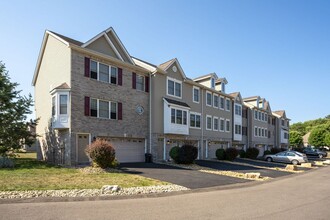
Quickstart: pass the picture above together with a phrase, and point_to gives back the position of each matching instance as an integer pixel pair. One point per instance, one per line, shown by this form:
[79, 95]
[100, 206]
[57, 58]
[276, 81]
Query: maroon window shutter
[120, 76]
[134, 80]
[87, 106]
[120, 111]
[146, 85]
[87, 66]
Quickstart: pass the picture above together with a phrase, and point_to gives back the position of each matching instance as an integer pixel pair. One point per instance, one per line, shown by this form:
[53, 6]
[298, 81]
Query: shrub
[220, 154]
[252, 153]
[6, 162]
[275, 150]
[187, 154]
[174, 153]
[102, 153]
[267, 152]
[231, 153]
[242, 153]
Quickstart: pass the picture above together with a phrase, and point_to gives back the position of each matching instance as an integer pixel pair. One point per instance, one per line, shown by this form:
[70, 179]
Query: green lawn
[30, 174]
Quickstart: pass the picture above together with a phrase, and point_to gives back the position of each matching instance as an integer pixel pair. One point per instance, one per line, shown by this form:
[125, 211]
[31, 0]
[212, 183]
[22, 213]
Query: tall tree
[295, 139]
[327, 139]
[317, 136]
[14, 109]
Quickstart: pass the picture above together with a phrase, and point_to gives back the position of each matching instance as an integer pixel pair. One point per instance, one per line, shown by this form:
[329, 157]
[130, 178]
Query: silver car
[293, 157]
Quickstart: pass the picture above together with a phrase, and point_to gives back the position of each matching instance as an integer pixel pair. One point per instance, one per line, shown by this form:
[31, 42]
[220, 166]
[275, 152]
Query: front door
[83, 141]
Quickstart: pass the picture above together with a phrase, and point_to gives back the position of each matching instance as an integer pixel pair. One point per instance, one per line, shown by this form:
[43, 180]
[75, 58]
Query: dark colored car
[315, 152]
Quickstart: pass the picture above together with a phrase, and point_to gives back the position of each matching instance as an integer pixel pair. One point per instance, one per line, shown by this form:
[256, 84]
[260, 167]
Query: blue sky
[279, 49]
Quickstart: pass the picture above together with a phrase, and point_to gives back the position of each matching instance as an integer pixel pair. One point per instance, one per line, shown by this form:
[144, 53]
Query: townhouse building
[96, 89]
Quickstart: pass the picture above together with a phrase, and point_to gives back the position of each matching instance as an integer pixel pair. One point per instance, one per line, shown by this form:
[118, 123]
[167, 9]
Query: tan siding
[101, 45]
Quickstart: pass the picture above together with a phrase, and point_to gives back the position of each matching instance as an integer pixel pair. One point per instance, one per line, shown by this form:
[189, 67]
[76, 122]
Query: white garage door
[129, 150]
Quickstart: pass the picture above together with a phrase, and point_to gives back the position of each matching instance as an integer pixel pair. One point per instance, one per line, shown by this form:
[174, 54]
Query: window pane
[192, 120]
[113, 110]
[173, 116]
[209, 123]
[227, 104]
[140, 83]
[93, 69]
[184, 117]
[178, 89]
[198, 121]
[222, 124]
[63, 104]
[53, 105]
[208, 98]
[113, 75]
[94, 107]
[215, 124]
[104, 109]
[196, 95]
[216, 101]
[227, 126]
[104, 73]
[222, 102]
[170, 88]
[178, 116]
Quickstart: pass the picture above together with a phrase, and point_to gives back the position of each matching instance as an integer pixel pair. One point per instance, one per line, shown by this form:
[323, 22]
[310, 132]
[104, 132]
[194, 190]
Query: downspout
[150, 110]
[202, 123]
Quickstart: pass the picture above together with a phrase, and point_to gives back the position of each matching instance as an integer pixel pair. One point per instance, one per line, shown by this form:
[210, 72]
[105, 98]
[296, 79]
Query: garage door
[129, 150]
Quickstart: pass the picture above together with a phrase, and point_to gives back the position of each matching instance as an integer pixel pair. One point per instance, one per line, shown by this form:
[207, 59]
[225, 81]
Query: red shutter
[146, 85]
[87, 106]
[120, 76]
[87, 66]
[134, 80]
[120, 111]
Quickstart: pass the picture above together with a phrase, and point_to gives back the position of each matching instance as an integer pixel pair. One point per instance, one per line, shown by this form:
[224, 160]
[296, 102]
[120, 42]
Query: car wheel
[320, 156]
[295, 162]
[269, 159]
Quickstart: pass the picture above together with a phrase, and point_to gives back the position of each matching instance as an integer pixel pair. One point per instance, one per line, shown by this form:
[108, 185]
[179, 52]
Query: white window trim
[224, 125]
[238, 125]
[109, 73]
[215, 95]
[213, 123]
[175, 81]
[224, 102]
[200, 116]
[239, 107]
[208, 129]
[144, 81]
[183, 110]
[228, 110]
[255, 133]
[193, 97]
[207, 92]
[98, 109]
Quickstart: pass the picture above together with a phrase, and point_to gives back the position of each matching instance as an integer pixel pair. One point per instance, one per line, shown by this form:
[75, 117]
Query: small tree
[14, 109]
[295, 139]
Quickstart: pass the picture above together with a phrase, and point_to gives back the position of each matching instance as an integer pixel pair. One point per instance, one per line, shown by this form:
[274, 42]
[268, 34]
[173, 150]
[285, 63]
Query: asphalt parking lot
[265, 163]
[192, 179]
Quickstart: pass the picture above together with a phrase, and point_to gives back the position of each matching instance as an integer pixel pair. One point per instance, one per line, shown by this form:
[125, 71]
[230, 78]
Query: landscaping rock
[308, 165]
[106, 189]
[327, 162]
[252, 175]
[291, 167]
[318, 163]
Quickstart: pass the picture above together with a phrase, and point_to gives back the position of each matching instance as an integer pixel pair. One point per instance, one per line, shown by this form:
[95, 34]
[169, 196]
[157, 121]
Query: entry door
[83, 141]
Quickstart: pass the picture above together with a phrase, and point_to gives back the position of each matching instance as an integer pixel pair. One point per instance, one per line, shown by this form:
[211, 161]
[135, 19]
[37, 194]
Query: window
[173, 88]
[103, 109]
[285, 135]
[208, 122]
[104, 73]
[238, 110]
[238, 129]
[114, 73]
[268, 134]
[266, 117]
[255, 131]
[244, 131]
[259, 114]
[282, 122]
[227, 125]
[140, 83]
[255, 114]
[222, 124]
[244, 113]
[222, 103]
[259, 132]
[53, 105]
[227, 105]
[215, 123]
[208, 99]
[265, 132]
[195, 120]
[262, 116]
[215, 101]
[196, 94]
[212, 83]
[262, 132]
[63, 104]
[178, 116]
[93, 70]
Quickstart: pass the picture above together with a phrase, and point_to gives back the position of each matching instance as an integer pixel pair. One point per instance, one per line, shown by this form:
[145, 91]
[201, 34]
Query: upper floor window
[227, 125]
[212, 83]
[208, 122]
[255, 131]
[227, 105]
[238, 109]
[262, 116]
[140, 83]
[103, 109]
[266, 117]
[196, 94]
[255, 114]
[63, 104]
[178, 116]
[174, 87]
[215, 123]
[259, 114]
[222, 124]
[195, 120]
[53, 105]
[103, 72]
[215, 101]
[238, 129]
[282, 122]
[208, 99]
[222, 102]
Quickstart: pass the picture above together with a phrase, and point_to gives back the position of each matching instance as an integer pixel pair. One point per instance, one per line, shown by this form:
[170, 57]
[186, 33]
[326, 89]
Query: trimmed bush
[242, 153]
[174, 153]
[252, 153]
[231, 153]
[6, 162]
[267, 152]
[102, 153]
[275, 150]
[220, 154]
[187, 154]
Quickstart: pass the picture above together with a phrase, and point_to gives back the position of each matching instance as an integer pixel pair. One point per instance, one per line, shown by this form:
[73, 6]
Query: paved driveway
[184, 177]
[240, 168]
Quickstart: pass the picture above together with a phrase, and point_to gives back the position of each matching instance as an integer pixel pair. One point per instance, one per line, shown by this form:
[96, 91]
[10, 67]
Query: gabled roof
[221, 80]
[167, 64]
[63, 86]
[236, 95]
[252, 98]
[207, 76]
[281, 113]
[67, 39]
